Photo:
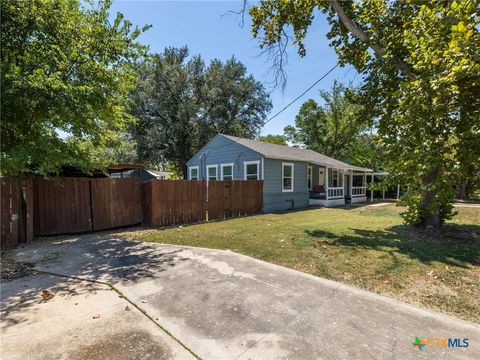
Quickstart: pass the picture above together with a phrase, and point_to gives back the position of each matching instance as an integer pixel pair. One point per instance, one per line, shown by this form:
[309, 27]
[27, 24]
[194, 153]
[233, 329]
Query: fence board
[169, 202]
[116, 202]
[10, 204]
[16, 211]
[60, 206]
[235, 198]
[70, 205]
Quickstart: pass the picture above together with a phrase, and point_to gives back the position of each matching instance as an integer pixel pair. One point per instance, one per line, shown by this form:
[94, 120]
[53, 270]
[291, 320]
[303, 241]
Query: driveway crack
[113, 288]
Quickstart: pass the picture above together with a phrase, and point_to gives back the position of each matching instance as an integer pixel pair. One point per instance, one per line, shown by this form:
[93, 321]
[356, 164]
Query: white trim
[326, 183]
[225, 165]
[190, 168]
[263, 167]
[216, 172]
[245, 163]
[292, 176]
[310, 167]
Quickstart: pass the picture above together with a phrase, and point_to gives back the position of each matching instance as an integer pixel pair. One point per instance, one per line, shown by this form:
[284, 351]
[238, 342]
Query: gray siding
[273, 197]
[223, 151]
[316, 175]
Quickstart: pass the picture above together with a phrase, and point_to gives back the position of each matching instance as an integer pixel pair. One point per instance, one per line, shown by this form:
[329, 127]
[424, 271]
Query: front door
[321, 176]
[346, 185]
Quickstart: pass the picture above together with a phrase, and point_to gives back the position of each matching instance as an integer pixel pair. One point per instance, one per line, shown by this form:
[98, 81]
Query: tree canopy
[420, 63]
[273, 139]
[332, 128]
[66, 73]
[181, 103]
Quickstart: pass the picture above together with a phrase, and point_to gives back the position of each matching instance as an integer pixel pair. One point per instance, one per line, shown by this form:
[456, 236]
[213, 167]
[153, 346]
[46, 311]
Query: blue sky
[201, 26]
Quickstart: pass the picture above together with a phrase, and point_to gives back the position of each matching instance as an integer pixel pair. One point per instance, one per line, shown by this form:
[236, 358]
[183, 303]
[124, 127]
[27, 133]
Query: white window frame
[223, 166]
[293, 175]
[190, 168]
[208, 173]
[310, 177]
[245, 163]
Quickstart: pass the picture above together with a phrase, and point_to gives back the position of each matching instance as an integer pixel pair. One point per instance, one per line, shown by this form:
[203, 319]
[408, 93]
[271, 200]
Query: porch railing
[334, 193]
[359, 191]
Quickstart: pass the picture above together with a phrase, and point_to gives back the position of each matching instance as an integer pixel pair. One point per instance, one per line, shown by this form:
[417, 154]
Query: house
[292, 178]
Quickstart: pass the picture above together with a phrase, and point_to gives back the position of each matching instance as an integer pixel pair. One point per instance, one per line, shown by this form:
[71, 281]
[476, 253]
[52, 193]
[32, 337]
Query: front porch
[333, 187]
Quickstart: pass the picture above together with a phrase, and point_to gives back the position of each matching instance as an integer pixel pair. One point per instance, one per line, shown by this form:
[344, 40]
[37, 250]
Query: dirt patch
[124, 346]
[11, 269]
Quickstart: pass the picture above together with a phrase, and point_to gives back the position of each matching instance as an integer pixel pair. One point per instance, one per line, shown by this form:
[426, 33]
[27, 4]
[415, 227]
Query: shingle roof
[158, 173]
[281, 152]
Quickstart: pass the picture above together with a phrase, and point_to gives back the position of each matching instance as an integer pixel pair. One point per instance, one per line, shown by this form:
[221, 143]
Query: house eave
[334, 166]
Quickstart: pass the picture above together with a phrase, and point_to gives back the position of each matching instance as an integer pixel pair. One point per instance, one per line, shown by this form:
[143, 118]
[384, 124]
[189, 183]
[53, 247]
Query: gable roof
[281, 152]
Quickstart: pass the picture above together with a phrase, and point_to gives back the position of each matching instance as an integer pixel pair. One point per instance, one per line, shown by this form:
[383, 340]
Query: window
[227, 171]
[193, 172]
[334, 178]
[212, 172]
[251, 170]
[287, 177]
[309, 177]
[357, 180]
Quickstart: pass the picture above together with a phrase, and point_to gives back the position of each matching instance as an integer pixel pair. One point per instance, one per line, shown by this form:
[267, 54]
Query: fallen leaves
[46, 295]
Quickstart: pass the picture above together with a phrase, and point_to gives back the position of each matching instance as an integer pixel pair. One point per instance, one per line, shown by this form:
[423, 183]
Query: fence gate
[116, 202]
[234, 198]
[65, 205]
[61, 205]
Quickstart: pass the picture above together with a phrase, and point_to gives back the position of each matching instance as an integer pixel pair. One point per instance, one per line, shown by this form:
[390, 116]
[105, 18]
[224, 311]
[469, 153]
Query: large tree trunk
[429, 219]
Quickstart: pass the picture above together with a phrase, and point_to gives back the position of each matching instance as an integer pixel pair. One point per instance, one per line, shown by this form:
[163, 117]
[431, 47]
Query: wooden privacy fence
[168, 202]
[61, 205]
[71, 205]
[235, 198]
[116, 202]
[16, 208]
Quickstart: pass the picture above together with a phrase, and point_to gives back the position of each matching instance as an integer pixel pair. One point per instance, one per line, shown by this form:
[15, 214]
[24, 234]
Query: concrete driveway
[164, 302]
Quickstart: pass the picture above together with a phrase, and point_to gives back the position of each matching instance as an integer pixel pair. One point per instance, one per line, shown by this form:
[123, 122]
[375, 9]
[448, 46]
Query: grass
[367, 247]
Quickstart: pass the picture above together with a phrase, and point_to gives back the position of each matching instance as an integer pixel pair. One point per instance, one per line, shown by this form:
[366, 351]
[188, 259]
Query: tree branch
[360, 34]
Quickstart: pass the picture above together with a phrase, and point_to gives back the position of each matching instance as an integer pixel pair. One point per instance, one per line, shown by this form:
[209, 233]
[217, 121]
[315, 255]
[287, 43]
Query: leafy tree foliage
[181, 103]
[420, 63]
[331, 129]
[273, 139]
[65, 73]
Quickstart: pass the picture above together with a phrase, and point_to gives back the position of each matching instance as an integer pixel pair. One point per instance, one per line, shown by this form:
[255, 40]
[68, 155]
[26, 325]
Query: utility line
[299, 96]
[286, 107]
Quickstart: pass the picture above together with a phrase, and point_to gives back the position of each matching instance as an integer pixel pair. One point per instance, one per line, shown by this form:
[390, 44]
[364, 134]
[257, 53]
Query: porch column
[351, 183]
[326, 183]
[364, 183]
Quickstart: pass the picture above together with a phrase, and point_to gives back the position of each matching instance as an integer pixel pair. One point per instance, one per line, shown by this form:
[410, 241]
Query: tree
[273, 139]
[330, 129]
[181, 104]
[65, 74]
[420, 64]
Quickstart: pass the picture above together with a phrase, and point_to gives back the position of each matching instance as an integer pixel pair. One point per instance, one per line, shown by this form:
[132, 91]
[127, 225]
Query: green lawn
[367, 247]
